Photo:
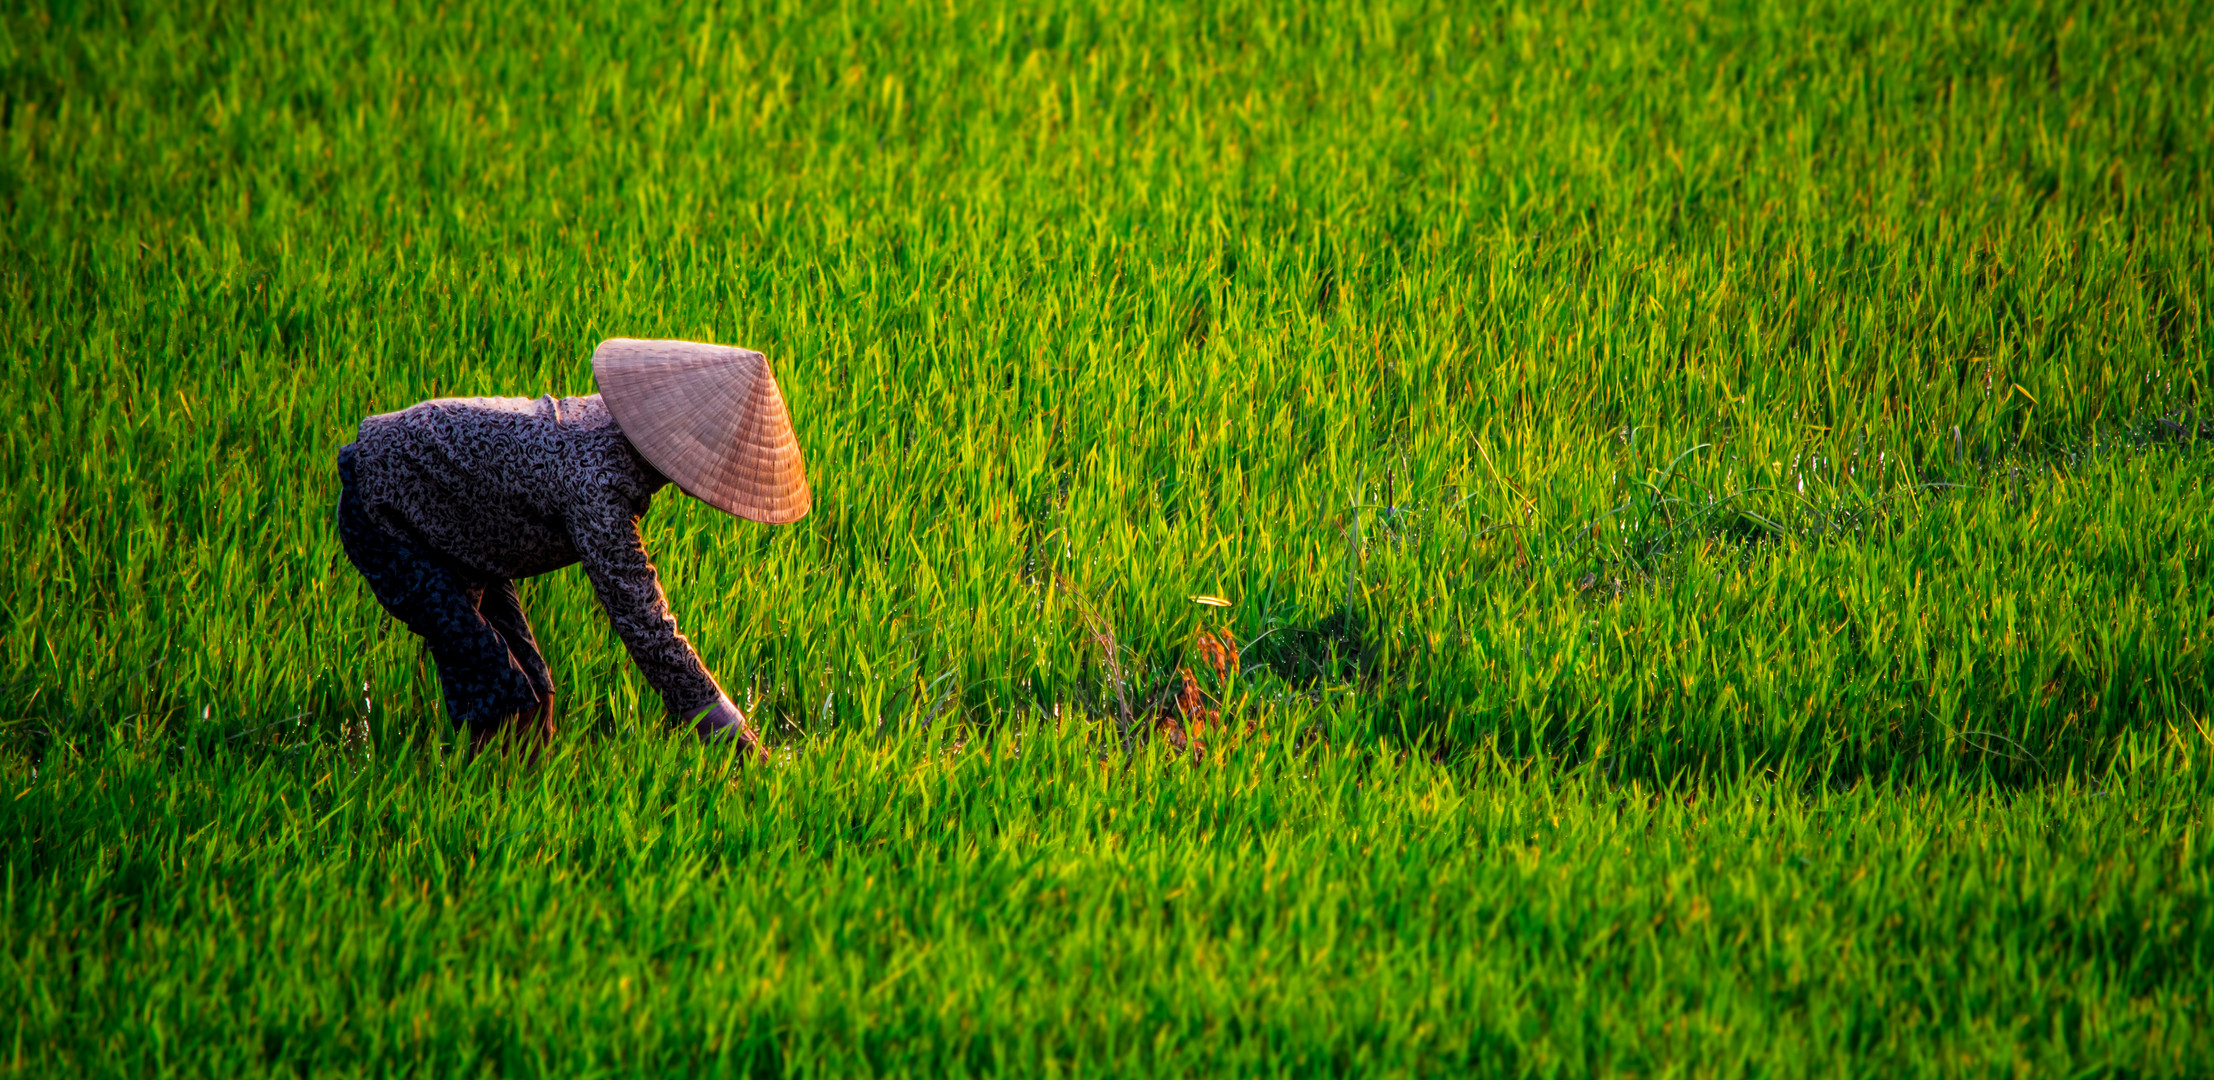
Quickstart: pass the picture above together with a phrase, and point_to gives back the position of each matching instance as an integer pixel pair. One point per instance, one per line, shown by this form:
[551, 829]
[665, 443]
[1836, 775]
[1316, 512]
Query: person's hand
[723, 722]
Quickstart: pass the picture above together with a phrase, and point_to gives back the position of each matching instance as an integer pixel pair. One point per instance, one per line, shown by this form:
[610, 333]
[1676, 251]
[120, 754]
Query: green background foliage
[1644, 405]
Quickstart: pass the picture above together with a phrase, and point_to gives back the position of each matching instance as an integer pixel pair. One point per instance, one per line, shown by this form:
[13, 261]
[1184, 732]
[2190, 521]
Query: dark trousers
[488, 662]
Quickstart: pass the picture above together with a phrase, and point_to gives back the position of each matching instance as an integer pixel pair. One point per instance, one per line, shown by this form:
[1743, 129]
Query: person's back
[496, 482]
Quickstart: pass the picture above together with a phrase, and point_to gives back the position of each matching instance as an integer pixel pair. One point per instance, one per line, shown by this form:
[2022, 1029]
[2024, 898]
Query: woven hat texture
[711, 418]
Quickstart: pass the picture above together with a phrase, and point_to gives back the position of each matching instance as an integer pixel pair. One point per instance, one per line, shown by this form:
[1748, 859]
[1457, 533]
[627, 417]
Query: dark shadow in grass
[1307, 652]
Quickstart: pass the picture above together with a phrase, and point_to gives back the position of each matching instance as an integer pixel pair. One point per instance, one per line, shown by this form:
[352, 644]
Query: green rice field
[1713, 504]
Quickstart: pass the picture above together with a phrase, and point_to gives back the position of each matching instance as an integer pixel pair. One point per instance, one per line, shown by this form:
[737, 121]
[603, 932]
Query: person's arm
[607, 542]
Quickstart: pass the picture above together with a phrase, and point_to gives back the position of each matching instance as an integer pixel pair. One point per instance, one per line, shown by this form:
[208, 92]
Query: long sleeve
[614, 557]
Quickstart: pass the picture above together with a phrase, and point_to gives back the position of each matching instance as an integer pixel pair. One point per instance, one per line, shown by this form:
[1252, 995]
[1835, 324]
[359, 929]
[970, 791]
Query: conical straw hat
[711, 419]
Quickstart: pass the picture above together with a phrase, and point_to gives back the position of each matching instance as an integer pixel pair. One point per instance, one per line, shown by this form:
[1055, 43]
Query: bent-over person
[443, 505]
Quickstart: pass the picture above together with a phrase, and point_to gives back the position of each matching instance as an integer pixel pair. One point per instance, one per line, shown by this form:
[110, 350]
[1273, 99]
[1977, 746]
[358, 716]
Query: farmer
[443, 505]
